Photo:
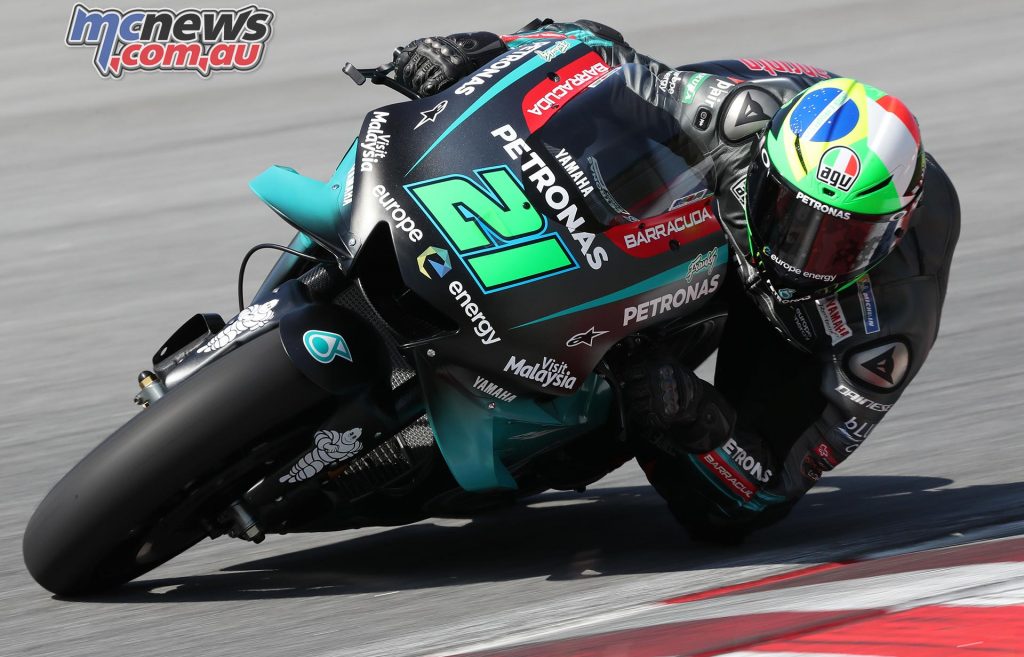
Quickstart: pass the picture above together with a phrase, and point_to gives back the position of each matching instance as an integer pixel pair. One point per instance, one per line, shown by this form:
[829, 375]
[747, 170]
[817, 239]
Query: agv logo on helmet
[839, 168]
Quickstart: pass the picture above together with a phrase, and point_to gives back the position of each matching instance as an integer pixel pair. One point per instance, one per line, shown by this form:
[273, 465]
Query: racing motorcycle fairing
[480, 439]
[543, 211]
[546, 209]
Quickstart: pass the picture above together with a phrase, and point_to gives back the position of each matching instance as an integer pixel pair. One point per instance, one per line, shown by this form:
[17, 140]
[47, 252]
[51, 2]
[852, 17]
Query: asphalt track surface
[125, 209]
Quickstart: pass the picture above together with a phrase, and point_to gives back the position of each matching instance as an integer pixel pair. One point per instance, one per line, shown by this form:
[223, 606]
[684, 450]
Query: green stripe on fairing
[674, 275]
[530, 64]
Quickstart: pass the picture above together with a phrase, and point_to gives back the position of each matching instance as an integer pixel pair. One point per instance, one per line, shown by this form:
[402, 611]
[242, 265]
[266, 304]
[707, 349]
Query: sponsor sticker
[481, 325]
[541, 102]
[251, 319]
[557, 199]
[430, 115]
[725, 473]
[747, 462]
[374, 146]
[438, 260]
[839, 168]
[828, 278]
[325, 346]
[554, 51]
[497, 67]
[803, 324]
[399, 217]
[717, 92]
[818, 460]
[703, 262]
[684, 224]
[691, 88]
[574, 171]
[328, 447]
[669, 82]
[549, 372]
[821, 207]
[860, 399]
[671, 301]
[493, 389]
[868, 307]
[833, 319]
[774, 66]
[852, 432]
[203, 41]
[584, 338]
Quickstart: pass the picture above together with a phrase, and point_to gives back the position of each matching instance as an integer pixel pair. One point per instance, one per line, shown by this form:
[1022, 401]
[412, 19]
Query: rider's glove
[668, 406]
[429, 65]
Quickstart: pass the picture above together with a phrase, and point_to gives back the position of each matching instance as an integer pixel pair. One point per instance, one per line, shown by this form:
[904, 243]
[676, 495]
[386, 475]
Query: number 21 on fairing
[496, 232]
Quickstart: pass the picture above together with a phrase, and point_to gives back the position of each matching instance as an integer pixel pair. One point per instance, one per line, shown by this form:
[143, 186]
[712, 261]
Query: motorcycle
[441, 336]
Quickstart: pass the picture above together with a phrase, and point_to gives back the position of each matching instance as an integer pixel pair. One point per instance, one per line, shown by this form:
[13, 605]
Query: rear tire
[87, 533]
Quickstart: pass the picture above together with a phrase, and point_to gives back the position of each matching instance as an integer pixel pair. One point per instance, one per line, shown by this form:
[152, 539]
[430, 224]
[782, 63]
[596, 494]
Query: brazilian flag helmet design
[831, 187]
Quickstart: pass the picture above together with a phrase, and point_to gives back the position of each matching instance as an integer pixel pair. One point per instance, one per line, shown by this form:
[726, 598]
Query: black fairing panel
[544, 209]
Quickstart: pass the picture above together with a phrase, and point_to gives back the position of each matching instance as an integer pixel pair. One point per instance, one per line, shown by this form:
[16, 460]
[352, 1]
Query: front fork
[332, 347]
[357, 426]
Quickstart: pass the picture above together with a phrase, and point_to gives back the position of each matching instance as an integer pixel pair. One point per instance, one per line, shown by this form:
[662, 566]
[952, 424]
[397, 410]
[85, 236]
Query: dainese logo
[197, 40]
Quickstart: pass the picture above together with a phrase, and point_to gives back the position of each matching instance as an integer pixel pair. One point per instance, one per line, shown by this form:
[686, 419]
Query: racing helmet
[831, 187]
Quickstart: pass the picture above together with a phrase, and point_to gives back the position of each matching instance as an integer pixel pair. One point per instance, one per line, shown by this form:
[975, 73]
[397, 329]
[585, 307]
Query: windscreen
[627, 157]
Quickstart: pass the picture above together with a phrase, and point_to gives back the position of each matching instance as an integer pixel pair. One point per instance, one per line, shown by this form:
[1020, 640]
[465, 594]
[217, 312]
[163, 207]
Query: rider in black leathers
[801, 381]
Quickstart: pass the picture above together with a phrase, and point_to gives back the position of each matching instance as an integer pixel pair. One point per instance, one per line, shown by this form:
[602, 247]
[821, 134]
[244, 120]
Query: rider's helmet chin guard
[831, 187]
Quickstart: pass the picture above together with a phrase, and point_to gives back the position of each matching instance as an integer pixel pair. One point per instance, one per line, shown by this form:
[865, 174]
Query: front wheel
[145, 494]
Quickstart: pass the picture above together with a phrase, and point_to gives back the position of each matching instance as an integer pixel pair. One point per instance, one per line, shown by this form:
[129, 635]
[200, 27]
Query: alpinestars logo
[197, 40]
[430, 115]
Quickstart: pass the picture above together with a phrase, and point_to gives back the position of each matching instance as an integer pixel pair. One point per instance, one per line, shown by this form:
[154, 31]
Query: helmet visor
[810, 246]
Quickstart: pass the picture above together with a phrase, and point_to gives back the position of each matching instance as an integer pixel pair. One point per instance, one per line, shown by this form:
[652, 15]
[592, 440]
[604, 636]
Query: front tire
[93, 531]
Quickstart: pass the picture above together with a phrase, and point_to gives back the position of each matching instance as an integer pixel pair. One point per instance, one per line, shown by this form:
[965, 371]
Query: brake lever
[379, 75]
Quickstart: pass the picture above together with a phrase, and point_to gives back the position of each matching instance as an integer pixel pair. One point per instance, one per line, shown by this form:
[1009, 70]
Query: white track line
[512, 640]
